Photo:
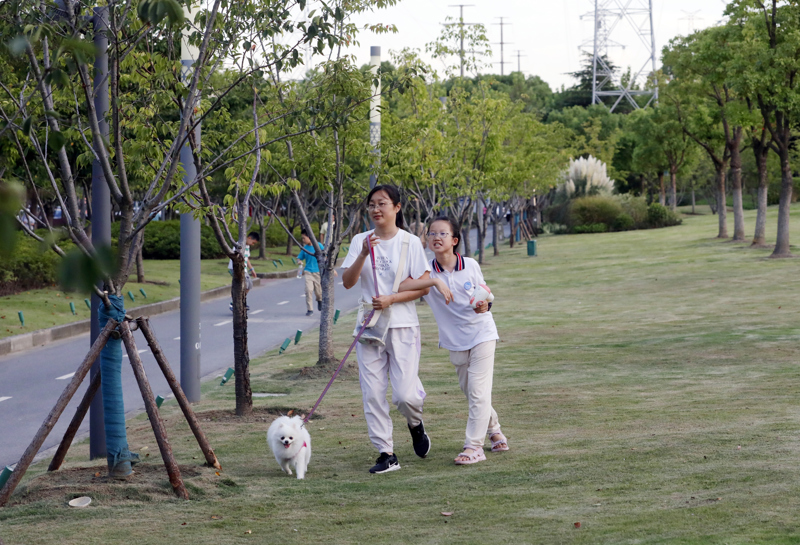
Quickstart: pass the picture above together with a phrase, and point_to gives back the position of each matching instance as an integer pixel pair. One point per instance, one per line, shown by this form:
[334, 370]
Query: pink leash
[358, 336]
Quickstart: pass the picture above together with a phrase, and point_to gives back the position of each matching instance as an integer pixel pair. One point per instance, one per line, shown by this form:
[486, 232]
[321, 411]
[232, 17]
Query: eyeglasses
[438, 235]
[373, 206]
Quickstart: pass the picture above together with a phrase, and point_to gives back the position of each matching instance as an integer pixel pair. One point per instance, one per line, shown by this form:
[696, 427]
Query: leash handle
[374, 272]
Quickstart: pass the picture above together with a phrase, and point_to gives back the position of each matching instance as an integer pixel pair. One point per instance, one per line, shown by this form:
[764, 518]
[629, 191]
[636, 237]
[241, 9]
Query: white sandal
[477, 455]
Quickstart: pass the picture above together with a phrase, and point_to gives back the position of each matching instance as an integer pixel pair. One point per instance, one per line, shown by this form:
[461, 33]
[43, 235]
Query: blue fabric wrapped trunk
[111, 386]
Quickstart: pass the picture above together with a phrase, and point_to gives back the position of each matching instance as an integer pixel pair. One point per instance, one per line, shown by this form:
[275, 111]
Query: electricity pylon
[607, 15]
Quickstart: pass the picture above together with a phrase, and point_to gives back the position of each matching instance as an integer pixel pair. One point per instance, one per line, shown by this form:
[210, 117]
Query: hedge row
[30, 266]
[600, 214]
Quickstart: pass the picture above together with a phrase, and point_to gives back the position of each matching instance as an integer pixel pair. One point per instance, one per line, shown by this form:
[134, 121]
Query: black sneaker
[422, 443]
[385, 463]
[309, 313]
[319, 306]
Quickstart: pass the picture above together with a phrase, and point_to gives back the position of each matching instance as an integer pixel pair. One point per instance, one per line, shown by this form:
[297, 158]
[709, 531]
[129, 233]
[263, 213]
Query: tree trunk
[673, 188]
[481, 229]
[759, 237]
[241, 355]
[465, 233]
[722, 207]
[327, 280]
[736, 183]
[262, 232]
[140, 265]
[693, 200]
[787, 181]
[511, 225]
[662, 194]
[495, 240]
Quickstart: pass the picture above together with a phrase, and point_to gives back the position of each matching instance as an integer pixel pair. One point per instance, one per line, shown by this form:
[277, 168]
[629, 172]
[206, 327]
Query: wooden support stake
[77, 420]
[186, 407]
[55, 413]
[152, 412]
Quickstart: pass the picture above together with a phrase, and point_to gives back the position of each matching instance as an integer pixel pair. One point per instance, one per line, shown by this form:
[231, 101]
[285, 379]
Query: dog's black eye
[291, 438]
[282, 438]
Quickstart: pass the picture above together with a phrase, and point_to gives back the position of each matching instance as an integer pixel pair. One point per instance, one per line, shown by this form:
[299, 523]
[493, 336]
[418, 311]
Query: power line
[502, 43]
[461, 24]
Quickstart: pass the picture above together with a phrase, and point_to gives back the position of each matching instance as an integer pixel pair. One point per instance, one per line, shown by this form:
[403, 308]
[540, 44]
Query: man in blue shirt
[311, 272]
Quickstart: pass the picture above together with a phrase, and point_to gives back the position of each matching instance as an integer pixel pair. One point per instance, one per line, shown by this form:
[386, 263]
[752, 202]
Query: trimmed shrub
[623, 223]
[590, 228]
[661, 216]
[593, 210]
[30, 266]
[635, 207]
[162, 240]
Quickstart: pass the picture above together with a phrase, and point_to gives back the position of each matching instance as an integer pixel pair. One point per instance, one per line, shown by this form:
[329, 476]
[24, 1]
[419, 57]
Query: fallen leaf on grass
[248, 531]
[290, 413]
[97, 474]
[217, 472]
[577, 525]
[215, 517]
[183, 524]
[447, 513]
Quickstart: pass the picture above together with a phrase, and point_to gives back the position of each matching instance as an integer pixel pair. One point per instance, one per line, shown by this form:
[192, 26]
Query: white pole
[375, 113]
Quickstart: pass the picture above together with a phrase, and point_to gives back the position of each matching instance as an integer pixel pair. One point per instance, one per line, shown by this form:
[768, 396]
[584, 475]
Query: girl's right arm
[410, 284]
[352, 273]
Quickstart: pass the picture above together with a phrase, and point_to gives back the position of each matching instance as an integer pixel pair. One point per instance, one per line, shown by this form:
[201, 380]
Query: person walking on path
[398, 359]
[469, 334]
[311, 272]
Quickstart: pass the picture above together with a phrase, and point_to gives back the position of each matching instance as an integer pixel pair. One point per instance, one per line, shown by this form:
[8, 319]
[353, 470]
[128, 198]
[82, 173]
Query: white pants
[397, 362]
[475, 368]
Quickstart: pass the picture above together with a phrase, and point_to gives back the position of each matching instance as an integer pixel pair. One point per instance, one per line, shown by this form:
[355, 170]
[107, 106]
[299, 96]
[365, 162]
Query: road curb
[26, 341]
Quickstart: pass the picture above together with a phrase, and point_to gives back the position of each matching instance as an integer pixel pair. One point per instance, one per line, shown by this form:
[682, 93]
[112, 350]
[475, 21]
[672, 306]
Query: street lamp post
[101, 217]
[190, 247]
[375, 114]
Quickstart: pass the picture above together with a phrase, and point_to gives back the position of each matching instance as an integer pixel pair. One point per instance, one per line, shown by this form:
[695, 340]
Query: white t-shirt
[460, 327]
[387, 256]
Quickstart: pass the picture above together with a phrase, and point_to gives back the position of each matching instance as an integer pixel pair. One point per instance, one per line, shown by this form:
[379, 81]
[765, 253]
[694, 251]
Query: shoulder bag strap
[401, 264]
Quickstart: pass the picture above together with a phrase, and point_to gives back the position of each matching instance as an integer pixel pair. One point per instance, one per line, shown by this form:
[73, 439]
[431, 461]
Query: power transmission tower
[607, 15]
[461, 24]
[690, 17]
[519, 65]
[502, 43]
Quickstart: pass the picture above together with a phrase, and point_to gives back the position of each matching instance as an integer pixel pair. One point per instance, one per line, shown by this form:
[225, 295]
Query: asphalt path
[32, 381]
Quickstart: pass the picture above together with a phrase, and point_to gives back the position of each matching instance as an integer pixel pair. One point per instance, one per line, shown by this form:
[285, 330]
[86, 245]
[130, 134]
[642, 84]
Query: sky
[547, 34]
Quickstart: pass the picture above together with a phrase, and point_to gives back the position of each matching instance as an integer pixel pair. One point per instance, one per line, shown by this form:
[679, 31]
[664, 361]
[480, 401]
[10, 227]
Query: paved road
[31, 381]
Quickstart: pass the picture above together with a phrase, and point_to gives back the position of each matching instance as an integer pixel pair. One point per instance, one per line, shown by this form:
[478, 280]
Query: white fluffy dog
[290, 443]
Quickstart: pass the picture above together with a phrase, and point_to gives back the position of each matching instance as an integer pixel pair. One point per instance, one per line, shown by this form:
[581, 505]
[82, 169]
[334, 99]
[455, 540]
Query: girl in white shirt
[398, 360]
[469, 334]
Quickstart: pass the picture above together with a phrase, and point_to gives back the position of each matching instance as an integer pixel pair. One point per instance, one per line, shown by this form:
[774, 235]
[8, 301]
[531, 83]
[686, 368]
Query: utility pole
[461, 24]
[519, 65]
[690, 17]
[190, 245]
[374, 117]
[502, 43]
[101, 217]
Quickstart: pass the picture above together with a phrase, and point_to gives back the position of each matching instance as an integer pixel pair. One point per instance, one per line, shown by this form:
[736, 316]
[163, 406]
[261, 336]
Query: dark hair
[394, 195]
[453, 227]
[255, 236]
[304, 232]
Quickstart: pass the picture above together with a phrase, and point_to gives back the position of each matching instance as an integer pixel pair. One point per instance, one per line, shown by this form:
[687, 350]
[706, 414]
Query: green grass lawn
[647, 382]
[50, 307]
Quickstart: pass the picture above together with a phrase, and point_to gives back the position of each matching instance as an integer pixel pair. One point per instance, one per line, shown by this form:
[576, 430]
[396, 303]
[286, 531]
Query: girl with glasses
[398, 360]
[469, 334]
